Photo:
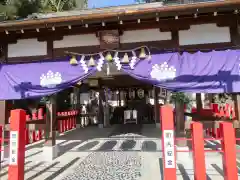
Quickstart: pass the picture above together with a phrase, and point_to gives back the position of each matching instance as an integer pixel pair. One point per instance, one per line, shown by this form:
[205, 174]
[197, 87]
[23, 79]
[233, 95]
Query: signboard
[109, 39]
[13, 148]
[169, 152]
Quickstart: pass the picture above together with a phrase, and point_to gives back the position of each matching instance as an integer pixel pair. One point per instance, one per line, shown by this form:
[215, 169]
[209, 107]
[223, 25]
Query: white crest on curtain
[162, 72]
[50, 79]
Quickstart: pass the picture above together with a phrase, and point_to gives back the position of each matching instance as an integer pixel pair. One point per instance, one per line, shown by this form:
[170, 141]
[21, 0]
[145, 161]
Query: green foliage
[18, 9]
[57, 5]
[180, 97]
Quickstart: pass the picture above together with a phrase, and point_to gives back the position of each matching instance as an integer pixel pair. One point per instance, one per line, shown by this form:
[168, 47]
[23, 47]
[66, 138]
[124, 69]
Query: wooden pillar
[50, 149]
[156, 106]
[119, 98]
[100, 108]
[106, 109]
[180, 123]
[199, 102]
[51, 122]
[76, 98]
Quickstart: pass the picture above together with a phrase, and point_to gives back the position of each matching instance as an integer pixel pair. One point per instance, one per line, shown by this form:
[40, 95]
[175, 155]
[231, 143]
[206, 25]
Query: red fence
[66, 122]
[228, 147]
[217, 111]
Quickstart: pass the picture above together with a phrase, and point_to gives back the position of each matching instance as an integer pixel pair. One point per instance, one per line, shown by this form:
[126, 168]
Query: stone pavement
[116, 153]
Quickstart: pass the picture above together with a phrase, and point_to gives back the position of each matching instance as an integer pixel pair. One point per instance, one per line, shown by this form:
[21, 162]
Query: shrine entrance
[130, 102]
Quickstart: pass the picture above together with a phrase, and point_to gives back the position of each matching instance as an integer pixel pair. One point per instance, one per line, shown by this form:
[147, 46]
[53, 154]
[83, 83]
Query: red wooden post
[27, 134]
[59, 123]
[62, 123]
[198, 151]
[168, 143]
[34, 137]
[77, 113]
[17, 145]
[75, 119]
[229, 151]
[40, 117]
[69, 120]
[66, 121]
[1, 140]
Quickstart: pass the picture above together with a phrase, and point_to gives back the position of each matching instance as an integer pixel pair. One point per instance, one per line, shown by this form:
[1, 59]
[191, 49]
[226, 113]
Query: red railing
[66, 122]
[218, 111]
[228, 147]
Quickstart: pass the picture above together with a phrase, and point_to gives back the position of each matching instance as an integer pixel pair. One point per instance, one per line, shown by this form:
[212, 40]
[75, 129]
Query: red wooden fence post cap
[40, 113]
[34, 115]
[27, 117]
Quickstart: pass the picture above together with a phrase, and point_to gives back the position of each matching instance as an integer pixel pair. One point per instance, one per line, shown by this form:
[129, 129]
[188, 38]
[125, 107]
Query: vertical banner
[169, 151]
[13, 154]
[168, 143]
[17, 145]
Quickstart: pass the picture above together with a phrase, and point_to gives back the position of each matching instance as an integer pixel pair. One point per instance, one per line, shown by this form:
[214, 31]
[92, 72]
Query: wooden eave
[115, 14]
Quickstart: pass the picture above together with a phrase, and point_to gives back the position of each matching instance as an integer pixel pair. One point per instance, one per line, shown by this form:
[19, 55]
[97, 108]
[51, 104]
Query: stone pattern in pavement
[108, 166]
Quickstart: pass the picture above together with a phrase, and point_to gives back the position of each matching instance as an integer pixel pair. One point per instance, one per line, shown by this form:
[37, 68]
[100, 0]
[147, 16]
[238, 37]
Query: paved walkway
[117, 153]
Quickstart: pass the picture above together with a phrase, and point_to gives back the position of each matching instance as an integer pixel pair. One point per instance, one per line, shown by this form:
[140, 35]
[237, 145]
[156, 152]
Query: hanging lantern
[125, 58]
[109, 57]
[73, 61]
[91, 62]
[142, 54]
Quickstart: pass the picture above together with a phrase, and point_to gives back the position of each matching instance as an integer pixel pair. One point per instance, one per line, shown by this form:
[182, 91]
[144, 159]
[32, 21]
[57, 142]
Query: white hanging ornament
[117, 61]
[133, 60]
[83, 64]
[100, 63]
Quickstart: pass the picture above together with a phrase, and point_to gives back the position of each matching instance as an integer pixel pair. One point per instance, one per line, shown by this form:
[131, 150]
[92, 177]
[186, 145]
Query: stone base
[100, 125]
[50, 153]
[158, 125]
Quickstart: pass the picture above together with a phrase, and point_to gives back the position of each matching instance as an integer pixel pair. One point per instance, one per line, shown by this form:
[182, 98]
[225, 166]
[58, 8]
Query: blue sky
[107, 3]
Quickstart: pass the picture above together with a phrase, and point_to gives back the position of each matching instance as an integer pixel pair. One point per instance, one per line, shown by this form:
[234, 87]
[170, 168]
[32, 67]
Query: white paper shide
[13, 148]
[169, 153]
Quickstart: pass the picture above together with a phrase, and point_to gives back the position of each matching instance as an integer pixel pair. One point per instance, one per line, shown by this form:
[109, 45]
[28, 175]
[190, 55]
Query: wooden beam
[51, 122]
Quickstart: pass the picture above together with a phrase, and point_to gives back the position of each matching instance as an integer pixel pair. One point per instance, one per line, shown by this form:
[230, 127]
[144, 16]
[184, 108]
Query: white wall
[204, 34]
[144, 36]
[77, 41]
[27, 47]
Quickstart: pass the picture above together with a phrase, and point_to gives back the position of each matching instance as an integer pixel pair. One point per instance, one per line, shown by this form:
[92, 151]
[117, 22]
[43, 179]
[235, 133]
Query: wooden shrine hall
[141, 30]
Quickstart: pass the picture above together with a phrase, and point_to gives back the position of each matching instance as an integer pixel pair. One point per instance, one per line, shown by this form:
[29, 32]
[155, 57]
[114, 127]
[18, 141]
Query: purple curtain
[209, 72]
[21, 81]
